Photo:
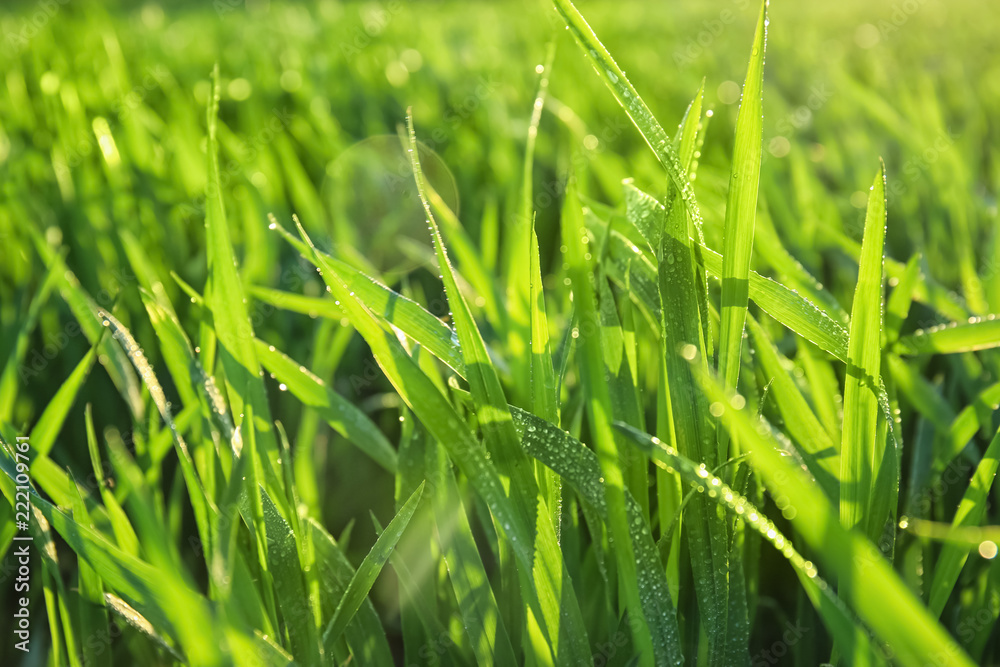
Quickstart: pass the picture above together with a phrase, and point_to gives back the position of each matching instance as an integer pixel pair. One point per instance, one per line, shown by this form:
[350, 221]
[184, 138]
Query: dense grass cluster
[422, 334]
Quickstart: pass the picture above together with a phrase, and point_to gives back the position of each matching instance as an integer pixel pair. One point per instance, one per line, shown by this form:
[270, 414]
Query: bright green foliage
[527, 375]
[860, 454]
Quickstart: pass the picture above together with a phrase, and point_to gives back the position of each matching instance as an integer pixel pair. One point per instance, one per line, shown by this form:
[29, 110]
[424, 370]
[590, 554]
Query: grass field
[422, 334]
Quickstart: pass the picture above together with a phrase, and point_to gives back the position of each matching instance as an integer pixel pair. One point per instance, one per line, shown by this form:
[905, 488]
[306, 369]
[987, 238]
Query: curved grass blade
[561, 614]
[187, 371]
[123, 531]
[12, 375]
[638, 112]
[818, 450]
[44, 433]
[447, 426]
[790, 309]
[405, 314]
[965, 426]
[368, 571]
[839, 620]
[337, 411]
[200, 499]
[923, 395]
[873, 590]
[580, 468]
[125, 612]
[978, 333]
[364, 634]
[970, 512]
[793, 311]
[257, 650]
[85, 309]
[860, 452]
[161, 597]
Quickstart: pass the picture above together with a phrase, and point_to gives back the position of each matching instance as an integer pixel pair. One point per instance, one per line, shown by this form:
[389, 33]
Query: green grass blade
[338, 412]
[224, 297]
[10, 379]
[197, 494]
[121, 526]
[970, 512]
[741, 210]
[405, 314]
[621, 370]
[481, 616]
[690, 132]
[839, 620]
[968, 421]
[971, 336]
[600, 412]
[638, 112]
[364, 634]
[792, 310]
[860, 452]
[874, 591]
[818, 450]
[693, 432]
[544, 389]
[368, 571]
[172, 607]
[561, 615]
[519, 273]
[51, 421]
[193, 384]
[290, 587]
[544, 386]
[137, 621]
[898, 306]
[92, 612]
[446, 425]
[921, 394]
[580, 468]
[85, 309]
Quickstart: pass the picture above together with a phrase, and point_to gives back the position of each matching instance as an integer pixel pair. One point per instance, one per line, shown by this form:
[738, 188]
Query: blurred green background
[102, 134]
